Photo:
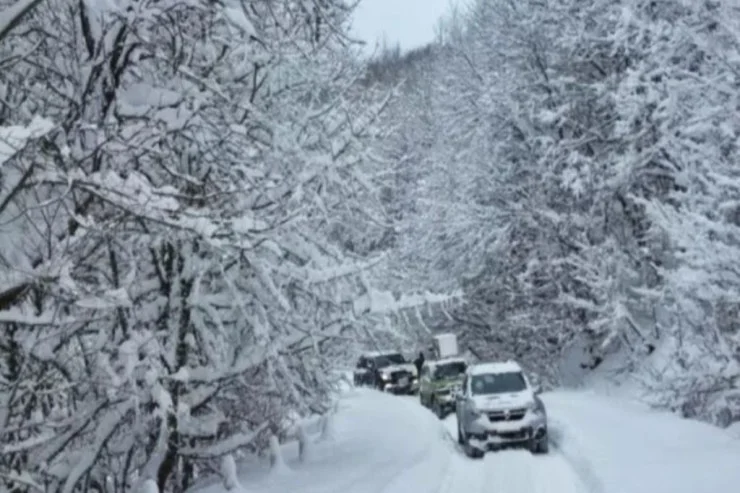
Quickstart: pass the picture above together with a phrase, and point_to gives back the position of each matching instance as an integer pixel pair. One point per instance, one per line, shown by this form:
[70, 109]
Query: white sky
[410, 22]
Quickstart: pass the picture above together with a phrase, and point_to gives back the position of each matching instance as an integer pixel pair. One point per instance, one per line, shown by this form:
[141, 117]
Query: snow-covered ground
[388, 444]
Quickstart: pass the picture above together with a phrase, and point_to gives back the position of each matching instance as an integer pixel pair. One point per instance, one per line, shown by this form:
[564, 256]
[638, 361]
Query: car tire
[472, 452]
[437, 409]
[544, 445]
[541, 446]
[469, 450]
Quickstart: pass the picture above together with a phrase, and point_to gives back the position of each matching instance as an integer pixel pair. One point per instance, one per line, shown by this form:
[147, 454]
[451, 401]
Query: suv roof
[375, 354]
[497, 367]
[443, 361]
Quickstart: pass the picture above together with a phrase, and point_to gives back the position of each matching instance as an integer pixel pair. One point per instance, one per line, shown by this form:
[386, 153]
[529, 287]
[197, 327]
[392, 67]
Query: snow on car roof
[497, 367]
[451, 359]
[375, 354]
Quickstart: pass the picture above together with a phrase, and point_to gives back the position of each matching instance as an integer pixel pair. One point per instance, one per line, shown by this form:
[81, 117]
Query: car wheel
[541, 446]
[437, 409]
[544, 445]
[470, 451]
[440, 411]
[473, 452]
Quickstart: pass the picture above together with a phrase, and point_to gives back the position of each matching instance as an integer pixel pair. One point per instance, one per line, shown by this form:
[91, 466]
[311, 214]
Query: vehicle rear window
[389, 359]
[497, 383]
[449, 370]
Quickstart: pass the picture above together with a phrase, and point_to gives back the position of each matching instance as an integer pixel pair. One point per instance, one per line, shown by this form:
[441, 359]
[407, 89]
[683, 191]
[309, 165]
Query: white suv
[497, 407]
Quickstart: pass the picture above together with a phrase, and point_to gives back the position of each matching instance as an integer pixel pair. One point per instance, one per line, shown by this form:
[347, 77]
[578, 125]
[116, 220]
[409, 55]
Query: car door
[461, 401]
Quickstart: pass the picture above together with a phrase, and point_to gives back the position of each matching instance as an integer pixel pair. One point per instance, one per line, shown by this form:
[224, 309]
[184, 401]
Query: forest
[208, 207]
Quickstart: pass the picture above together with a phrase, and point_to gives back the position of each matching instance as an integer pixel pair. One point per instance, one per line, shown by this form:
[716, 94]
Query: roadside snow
[381, 443]
[620, 446]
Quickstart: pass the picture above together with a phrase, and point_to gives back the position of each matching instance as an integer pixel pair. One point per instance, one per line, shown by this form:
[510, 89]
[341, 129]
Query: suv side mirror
[537, 390]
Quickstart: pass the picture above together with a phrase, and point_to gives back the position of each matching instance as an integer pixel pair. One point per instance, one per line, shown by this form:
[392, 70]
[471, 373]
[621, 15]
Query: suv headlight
[385, 376]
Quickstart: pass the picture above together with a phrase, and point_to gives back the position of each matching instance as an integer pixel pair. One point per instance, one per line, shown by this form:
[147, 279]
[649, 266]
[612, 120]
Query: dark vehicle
[387, 371]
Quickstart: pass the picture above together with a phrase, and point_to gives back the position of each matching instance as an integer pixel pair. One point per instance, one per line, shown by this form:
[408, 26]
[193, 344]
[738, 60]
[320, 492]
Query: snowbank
[380, 443]
[619, 446]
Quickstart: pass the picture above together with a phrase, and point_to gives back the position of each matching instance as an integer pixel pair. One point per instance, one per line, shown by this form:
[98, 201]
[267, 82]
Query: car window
[449, 370]
[389, 359]
[497, 383]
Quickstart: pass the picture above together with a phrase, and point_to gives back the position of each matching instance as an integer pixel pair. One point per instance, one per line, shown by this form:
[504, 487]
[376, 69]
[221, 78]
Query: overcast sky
[410, 22]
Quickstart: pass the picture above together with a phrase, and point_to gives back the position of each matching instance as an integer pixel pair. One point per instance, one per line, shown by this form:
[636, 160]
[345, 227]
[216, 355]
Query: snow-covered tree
[688, 128]
[556, 189]
[174, 285]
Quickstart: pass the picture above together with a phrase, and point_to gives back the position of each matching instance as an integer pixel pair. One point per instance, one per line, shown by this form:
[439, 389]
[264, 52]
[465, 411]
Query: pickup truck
[387, 371]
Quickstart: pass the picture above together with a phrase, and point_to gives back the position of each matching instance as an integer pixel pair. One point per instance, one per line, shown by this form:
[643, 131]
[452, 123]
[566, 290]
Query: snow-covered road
[511, 471]
[389, 444]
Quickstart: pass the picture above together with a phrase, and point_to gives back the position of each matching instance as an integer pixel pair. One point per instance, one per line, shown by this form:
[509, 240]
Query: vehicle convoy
[387, 371]
[497, 407]
[438, 383]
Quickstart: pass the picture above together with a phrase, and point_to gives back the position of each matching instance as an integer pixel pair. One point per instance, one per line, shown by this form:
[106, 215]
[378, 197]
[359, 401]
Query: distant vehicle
[445, 346]
[497, 407]
[438, 383]
[387, 371]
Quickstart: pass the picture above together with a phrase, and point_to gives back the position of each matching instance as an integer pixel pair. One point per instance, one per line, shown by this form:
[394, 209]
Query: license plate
[402, 382]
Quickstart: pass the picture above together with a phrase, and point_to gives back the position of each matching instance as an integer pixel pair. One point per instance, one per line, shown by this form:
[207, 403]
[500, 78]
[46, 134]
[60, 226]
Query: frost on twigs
[171, 282]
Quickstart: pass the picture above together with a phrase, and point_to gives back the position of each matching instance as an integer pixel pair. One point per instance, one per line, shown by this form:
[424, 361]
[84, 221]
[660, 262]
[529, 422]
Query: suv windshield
[497, 383]
[449, 370]
[388, 360]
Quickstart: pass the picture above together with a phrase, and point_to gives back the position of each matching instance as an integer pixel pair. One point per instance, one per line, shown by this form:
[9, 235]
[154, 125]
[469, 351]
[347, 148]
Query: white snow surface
[449, 359]
[498, 367]
[390, 444]
[14, 137]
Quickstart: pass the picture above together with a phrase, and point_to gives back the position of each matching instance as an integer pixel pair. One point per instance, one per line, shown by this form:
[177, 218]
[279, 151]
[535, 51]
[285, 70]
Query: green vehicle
[437, 384]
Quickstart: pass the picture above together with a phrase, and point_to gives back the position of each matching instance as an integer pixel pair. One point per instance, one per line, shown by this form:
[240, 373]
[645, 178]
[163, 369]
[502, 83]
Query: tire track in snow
[434, 457]
[462, 474]
[510, 471]
[439, 465]
[386, 473]
[579, 464]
